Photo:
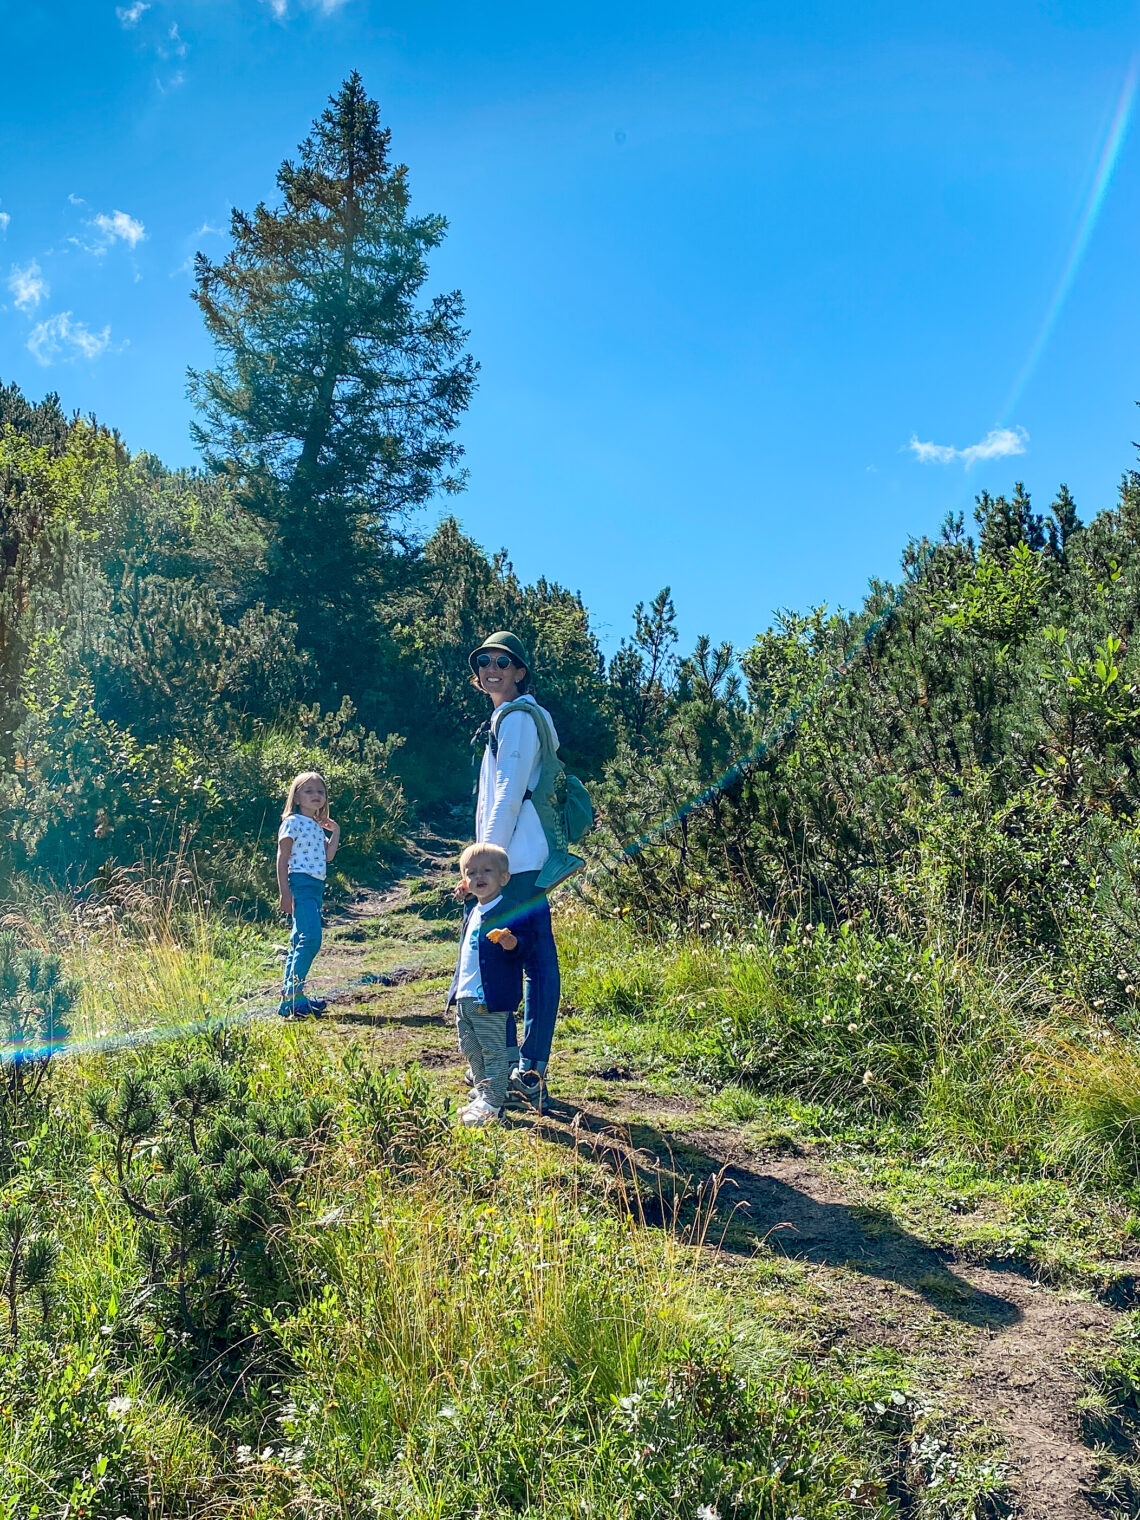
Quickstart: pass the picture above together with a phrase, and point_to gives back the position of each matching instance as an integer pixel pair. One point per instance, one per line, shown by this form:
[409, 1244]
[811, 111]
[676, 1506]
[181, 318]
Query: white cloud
[119, 225]
[61, 338]
[280, 8]
[5, 221]
[174, 46]
[28, 286]
[997, 444]
[131, 15]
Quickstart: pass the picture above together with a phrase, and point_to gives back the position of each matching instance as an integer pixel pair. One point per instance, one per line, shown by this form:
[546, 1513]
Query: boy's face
[484, 878]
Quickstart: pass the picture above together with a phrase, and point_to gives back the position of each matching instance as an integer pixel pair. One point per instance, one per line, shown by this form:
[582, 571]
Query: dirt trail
[1002, 1341]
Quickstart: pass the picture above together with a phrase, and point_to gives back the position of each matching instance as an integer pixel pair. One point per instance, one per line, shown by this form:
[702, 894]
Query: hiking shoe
[476, 1114]
[529, 1085]
[294, 1008]
[317, 1006]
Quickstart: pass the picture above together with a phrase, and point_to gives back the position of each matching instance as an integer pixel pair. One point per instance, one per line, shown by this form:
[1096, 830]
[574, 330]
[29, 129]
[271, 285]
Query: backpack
[561, 801]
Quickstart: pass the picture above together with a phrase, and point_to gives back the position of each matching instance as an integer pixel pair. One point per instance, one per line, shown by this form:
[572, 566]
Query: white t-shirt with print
[308, 845]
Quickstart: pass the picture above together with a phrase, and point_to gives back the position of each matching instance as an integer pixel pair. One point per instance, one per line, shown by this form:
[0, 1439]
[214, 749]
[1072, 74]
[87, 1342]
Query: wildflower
[1131, 991]
[852, 1028]
[859, 977]
[1098, 1002]
[827, 1019]
[707, 1512]
[867, 1077]
[117, 1408]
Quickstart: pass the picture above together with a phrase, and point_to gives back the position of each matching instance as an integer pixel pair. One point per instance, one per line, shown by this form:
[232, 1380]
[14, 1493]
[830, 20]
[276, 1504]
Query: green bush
[211, 1175]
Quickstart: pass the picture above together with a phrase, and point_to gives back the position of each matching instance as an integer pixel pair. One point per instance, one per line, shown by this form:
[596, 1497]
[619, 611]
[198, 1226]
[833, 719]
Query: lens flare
[1094, 204]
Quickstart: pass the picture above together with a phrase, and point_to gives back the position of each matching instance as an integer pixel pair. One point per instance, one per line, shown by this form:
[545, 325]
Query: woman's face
[501, 683]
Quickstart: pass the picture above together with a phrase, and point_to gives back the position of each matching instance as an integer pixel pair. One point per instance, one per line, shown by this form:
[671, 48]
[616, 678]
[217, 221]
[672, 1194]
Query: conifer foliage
[337, 389]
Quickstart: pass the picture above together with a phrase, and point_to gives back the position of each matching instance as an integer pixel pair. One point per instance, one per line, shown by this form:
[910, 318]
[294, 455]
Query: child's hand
[330, 826]
[503, 938]
[285, 903]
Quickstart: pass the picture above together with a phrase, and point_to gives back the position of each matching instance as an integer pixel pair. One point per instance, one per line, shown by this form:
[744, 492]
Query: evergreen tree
[1065, 521]
[337, 390]
[1005, 523]
[642, 672]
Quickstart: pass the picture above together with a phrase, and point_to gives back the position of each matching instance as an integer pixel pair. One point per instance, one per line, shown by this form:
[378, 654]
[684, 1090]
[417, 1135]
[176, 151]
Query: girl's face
[312, 799]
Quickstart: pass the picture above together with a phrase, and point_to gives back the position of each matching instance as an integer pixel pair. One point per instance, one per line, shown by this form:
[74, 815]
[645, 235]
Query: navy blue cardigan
[500, 971]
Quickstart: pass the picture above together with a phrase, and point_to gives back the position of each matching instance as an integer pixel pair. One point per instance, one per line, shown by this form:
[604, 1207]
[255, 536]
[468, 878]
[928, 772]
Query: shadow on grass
[680, 1187]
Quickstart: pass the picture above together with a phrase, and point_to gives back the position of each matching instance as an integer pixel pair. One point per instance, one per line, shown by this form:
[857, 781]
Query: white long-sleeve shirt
[501, 815]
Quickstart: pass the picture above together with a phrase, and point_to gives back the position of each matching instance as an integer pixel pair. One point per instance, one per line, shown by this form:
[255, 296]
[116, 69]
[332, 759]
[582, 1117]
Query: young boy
[488, 982]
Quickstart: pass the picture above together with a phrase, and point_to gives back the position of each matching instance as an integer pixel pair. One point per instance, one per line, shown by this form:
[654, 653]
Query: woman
[506, 816]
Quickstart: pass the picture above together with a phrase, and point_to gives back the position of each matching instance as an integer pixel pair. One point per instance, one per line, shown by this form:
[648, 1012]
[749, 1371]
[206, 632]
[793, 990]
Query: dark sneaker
[294, 1008]
[529, 1085]
[317, 1006]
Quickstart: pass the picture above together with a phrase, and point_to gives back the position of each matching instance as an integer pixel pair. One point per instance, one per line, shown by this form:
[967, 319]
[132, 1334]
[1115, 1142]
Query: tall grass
[150, 950]
[1096, 1077]
[977, 1052]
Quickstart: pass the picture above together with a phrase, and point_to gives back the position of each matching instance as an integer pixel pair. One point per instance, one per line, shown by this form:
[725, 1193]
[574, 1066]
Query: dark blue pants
[542, 980]
[305, 940]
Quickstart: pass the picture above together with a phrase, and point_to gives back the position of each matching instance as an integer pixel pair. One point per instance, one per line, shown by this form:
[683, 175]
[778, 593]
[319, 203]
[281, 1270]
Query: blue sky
[724, 263]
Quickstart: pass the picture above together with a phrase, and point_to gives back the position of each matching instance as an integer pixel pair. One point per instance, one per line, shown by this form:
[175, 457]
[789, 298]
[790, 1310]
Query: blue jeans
[305, 940]
[542, 980]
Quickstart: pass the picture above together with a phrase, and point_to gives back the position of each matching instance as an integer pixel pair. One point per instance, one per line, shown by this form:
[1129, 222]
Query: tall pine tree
[337, 389]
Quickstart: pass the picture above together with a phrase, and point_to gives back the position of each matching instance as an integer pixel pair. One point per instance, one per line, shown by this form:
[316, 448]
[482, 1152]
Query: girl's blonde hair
[296, 784]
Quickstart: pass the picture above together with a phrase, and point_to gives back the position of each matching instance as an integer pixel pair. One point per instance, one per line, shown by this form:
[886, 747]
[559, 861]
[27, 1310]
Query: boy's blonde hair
[492, 852]
[296, 784]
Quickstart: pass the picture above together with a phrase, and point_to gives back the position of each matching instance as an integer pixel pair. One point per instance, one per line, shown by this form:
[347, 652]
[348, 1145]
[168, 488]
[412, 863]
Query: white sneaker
[479, 1112]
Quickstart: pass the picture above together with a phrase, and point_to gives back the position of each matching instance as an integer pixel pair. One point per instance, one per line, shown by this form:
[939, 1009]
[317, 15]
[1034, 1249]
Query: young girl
[306, 841]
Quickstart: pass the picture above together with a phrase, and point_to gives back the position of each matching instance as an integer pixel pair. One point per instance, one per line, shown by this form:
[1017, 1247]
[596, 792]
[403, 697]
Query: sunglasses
[501, 660]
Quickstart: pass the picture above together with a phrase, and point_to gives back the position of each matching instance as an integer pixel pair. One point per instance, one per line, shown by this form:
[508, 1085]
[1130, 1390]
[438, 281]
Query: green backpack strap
[550, 796]
[541, 723]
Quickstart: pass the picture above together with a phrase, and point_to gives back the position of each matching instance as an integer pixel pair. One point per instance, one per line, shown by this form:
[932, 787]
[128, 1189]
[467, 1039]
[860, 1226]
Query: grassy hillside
[258, 1270]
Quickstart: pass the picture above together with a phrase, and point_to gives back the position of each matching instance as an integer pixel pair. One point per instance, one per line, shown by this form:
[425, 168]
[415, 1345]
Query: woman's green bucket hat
[501, 643]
